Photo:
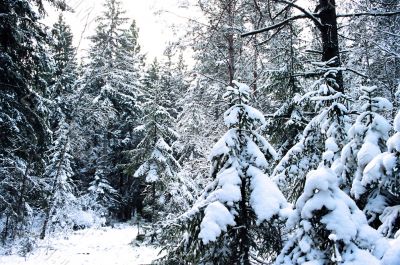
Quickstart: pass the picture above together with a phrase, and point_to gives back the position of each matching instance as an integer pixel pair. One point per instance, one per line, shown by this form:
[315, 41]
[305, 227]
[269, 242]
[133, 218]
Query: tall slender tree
[159, 168]
[24, 68]
[111, 91]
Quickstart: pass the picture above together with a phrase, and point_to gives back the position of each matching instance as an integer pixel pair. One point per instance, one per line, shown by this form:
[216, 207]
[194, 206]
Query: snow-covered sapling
[229, 222]
[381, 185]
[328, 228]
[321, 141]
[367, 140]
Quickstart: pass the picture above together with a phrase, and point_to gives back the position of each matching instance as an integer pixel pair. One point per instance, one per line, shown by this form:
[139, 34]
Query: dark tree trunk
[329, 36]
[244, 224]
[153, 212]
[21, 201]
[230, 39]
[50, 206]
[5, 231]
[292, 79]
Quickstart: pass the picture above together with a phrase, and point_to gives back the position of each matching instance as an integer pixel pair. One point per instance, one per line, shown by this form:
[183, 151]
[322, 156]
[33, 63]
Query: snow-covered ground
[104, 246]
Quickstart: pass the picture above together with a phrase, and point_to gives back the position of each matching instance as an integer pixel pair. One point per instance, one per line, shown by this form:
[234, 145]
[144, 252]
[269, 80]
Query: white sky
[159, 21]
[154, 19]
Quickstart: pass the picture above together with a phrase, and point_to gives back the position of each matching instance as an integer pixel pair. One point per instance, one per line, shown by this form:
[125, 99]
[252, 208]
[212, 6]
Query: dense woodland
[279, 145]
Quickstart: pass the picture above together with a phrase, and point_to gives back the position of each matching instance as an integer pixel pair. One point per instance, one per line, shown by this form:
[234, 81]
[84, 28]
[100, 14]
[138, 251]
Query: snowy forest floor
[102, 246]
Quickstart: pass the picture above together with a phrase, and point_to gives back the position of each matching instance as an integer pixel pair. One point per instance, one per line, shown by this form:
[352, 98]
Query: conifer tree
[64, 56]
[65, 74]
[24, 133]
[367, 139]
[232, 218]
[110, 102]
[194, 139]
[102, 197]
[328, 227]
[379, 185]
[61, 201]
[158, 168]
[328, 127]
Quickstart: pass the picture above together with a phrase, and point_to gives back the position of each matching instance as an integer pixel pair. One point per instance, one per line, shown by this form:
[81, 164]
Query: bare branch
[277, 25]
[213, 79]
[314, 17]
[311, 16]
[353, 71]
[371, 14]
[313, 51]
[391, 34]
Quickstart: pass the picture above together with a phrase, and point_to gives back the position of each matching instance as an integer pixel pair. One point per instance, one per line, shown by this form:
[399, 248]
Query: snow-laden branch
[371, 14]
[390, 33]
[277, 25]
[313, 17]
[308, 14]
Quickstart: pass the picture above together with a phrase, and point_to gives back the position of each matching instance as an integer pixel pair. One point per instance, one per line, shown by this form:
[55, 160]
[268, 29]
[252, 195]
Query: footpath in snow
[102, 246]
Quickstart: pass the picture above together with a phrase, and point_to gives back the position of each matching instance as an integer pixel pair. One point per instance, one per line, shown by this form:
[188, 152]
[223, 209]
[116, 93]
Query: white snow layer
[232, 115]
[222, 146]
[216, 219]
[229, 186]
[392, 255]
[265, 199]
[344, 219]
[104, 246]
[396, 122]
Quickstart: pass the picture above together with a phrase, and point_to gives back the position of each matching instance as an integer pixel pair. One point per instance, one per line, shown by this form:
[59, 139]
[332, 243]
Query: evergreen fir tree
[64, 56]
[233, 217]
[102, 197]
[367, 139]
[192, 124]
[329, 228]
[110, 102]
[65, 73]
[379, 186]
[159, 168]
[328, 127]
[61, 201]
[24, 133]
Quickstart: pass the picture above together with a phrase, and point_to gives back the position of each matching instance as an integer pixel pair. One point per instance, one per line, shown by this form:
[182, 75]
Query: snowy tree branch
[308, 14]
[277, 25]
[314, 17]
[371, 14]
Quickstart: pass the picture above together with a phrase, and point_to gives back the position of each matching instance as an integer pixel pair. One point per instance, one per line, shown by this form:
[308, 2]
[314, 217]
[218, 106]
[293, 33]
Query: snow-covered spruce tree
[112, 74]
[158, 167]
[329, 228]
[101, 197]
[286, 124]
[380, 185]
[159, 172]
[172, 78]
[61, 201]
[328, 127]
[64, 56]
[24, 134]
[234, 220]
[192, 145]
[191, 124]
[65, 74]
[108, 108]
[191, 149]
[367, 138]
